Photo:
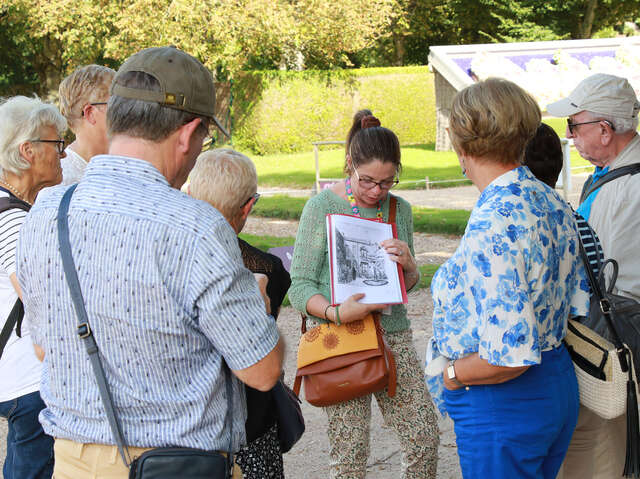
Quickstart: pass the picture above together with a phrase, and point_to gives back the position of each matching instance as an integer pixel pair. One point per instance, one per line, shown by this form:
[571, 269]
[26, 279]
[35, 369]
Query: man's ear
[27, 152]
[246, 209]
[87, 113]
[187, 136]
[606, 133]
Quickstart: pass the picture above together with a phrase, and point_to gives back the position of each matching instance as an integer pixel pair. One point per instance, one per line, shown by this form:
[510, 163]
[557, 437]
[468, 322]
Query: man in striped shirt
[166, 292]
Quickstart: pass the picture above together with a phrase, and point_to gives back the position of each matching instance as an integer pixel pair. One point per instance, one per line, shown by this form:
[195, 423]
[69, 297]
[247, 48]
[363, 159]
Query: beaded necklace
[352, 201]
[14, 191]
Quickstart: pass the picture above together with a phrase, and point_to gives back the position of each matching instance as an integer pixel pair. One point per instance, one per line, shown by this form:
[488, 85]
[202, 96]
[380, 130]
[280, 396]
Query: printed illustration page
[358, 263]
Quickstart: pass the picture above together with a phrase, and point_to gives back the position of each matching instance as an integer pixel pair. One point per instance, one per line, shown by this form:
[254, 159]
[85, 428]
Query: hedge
[284, 111]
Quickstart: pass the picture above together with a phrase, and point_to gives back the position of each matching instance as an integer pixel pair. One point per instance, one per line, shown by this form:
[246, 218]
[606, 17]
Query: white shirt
[615, 217]
[73, 166]
[20, 370]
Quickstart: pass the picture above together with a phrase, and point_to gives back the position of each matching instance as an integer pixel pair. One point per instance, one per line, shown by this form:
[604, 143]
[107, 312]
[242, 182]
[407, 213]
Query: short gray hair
[144, 119]
[22, 119]
[620, 125]
[225, 179]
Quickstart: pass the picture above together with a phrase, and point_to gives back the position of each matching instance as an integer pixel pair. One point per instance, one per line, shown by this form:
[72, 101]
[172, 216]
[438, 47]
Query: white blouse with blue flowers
[516, 277]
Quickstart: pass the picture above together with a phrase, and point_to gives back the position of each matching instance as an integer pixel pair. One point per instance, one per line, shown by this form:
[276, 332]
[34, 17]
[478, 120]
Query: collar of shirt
[133, 168]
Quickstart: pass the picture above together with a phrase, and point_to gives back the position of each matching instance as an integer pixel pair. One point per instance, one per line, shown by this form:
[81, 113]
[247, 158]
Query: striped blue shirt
[167, 297]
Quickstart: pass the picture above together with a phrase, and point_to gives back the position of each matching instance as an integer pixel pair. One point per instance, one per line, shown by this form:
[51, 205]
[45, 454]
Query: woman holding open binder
[372, 167]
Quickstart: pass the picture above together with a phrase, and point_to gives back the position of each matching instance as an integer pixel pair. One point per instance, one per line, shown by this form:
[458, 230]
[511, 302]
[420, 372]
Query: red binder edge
[394, 232]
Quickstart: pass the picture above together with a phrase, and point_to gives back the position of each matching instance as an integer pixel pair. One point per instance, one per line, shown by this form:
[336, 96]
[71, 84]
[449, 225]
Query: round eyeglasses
[369, 184]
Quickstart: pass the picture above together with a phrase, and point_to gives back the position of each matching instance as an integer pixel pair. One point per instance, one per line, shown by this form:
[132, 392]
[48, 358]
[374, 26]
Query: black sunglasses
[572, 125]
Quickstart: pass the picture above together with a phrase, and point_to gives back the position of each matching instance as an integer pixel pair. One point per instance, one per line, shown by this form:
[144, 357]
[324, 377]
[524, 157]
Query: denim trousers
[29, 449]
[520, 428]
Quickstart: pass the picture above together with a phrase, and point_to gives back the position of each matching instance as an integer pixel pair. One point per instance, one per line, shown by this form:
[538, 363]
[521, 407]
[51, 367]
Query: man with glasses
[168, 299]
[83, 102]
[602, 120]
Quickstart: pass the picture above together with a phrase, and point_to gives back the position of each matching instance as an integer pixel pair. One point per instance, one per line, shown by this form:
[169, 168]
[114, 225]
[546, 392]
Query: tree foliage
[43, 39]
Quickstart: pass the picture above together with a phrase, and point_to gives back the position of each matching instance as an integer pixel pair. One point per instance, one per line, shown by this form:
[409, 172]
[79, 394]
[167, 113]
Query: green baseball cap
[185, 83]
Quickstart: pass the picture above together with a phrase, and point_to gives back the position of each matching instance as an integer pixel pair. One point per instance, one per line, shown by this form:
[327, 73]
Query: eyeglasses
[572, 125]
[97, 103]
[256, 196]
[369, 184]
[59, 146]
[208, 143]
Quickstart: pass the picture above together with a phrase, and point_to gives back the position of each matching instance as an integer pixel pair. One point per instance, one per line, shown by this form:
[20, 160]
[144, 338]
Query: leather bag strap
[393, 206]
[86, 335]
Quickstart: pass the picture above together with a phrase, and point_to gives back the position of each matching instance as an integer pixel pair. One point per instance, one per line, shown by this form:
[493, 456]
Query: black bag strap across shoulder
[14, 320]
[632, 459]
[86, 335]
[589, 188]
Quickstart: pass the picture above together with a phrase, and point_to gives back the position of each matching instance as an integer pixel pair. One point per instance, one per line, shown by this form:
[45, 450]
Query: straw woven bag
[601, 381]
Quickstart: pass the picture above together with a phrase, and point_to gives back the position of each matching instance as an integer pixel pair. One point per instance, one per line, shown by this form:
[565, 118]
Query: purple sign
[285, 253]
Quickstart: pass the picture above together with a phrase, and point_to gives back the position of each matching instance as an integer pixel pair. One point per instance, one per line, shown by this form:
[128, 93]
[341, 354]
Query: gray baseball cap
[185, 83]
[600, 93]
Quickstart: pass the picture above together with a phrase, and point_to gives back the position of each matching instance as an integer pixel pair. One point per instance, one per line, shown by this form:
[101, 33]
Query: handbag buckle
[84, 331]
[605, 306]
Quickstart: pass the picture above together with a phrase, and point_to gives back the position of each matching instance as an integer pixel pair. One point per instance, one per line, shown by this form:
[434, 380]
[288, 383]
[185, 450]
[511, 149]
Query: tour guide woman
[501, 302]
[372, 167]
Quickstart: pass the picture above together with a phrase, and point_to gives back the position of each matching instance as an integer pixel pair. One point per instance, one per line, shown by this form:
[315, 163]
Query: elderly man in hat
[602, 119]
[167, 297]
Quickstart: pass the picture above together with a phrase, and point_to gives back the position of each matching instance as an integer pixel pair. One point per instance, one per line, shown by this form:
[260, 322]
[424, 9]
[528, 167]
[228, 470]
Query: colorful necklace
[352, 201]
[14, 191]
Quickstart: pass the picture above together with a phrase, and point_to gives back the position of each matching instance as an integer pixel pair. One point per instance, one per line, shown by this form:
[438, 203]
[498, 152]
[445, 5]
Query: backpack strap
[17, 312]
[610, 176]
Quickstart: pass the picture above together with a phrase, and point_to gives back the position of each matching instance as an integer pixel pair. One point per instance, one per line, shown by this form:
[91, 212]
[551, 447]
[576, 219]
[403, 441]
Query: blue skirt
[521, 428]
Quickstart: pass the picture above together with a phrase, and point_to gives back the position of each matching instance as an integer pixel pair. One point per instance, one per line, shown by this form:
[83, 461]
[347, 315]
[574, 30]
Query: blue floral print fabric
[515, 279]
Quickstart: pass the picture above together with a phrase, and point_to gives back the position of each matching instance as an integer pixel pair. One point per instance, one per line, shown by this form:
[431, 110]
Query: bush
[283, 112]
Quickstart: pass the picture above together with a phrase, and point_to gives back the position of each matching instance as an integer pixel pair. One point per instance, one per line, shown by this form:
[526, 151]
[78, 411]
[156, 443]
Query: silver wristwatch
[451, 374]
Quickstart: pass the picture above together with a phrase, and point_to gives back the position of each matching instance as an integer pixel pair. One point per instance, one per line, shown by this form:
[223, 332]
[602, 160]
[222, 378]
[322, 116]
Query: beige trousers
[597, 449]
[74, 460]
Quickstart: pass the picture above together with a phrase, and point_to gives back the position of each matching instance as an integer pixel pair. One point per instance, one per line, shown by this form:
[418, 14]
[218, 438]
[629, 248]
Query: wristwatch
[451, 374]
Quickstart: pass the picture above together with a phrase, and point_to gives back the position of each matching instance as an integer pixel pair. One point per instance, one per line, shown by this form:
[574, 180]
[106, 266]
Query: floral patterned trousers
[410, 412]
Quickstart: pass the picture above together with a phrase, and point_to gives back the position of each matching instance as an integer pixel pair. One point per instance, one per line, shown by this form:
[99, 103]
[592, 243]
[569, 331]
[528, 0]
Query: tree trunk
[399, 49]
[589, 15]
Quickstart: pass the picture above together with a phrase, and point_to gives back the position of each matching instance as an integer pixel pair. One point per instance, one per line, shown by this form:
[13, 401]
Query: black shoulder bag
[617, 319]
[17, 312]
[162, 462]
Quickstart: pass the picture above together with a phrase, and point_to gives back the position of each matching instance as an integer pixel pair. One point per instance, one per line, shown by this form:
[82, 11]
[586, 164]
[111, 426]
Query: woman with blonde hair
[83, 102]
[501, 302]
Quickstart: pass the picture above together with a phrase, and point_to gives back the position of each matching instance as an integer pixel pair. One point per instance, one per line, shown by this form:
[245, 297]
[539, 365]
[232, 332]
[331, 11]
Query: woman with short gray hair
[30, 152]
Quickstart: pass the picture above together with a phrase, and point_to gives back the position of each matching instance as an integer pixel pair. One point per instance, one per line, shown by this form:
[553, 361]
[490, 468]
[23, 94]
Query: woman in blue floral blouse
[496, 363]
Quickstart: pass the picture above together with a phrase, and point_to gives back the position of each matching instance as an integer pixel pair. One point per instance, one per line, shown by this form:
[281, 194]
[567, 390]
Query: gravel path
[309, 458]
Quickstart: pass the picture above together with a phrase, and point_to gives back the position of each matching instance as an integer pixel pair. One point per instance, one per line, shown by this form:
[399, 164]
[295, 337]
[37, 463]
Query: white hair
[224, 178]
[620, 125]
[22, 119]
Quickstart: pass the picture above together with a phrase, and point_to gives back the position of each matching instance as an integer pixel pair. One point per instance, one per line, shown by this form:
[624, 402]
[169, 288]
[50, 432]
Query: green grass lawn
[425, 220]
[297, 170]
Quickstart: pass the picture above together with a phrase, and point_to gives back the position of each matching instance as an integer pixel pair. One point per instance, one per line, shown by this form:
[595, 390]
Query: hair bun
[369, 121]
